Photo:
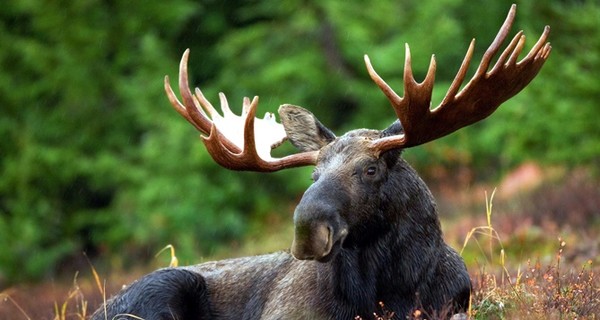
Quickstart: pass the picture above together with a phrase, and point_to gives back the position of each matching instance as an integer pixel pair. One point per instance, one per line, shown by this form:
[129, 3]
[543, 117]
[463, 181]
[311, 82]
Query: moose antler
[477, 100]
[235, 142]
[245, 142]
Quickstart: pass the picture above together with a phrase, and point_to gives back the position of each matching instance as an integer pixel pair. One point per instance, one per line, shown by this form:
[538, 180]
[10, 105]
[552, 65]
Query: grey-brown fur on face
[367, 231]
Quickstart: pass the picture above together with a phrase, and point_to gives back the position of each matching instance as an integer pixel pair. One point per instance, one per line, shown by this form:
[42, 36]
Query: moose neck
[394, 263]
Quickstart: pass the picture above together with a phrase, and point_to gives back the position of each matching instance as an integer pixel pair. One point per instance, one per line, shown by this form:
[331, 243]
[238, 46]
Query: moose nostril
[326, 239]
[322, 240]
[313, 241]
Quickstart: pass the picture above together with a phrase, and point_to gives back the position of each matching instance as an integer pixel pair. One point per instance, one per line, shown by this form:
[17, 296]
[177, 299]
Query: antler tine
[385, 88]
[497, 43]
[460, 75]
[541, 47]
[203, 105]
[221, 133]
[511, 53]
[224, 104]
[479, 98]
[188, 99]
[417, 95]
[180, 108]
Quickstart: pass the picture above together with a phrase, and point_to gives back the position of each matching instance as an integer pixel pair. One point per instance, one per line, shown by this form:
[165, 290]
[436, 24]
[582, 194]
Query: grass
[74, 306]
[504, 286]
[533, 290]
[537, 292]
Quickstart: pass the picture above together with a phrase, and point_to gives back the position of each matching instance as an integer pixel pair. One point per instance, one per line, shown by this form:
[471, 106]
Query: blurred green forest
[93, 159]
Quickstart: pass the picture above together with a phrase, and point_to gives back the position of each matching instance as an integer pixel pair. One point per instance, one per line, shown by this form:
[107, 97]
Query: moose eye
[371, 171]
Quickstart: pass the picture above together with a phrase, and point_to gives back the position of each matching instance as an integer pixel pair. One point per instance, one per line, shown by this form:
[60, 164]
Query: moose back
[366, 230]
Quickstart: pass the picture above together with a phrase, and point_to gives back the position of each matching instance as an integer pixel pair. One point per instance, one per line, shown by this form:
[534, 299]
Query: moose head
[366, 230]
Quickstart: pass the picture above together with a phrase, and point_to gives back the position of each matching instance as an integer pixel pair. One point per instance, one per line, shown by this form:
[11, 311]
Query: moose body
[365, 232]
[386, 247]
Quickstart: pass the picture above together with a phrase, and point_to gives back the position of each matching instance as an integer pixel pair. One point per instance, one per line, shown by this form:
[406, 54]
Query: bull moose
[366, 230]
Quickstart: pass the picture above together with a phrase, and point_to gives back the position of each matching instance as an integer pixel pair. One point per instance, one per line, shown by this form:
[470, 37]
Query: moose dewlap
[366, 230]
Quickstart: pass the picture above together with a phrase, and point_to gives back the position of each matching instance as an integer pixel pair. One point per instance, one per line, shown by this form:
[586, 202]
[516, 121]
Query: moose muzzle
[319, 228]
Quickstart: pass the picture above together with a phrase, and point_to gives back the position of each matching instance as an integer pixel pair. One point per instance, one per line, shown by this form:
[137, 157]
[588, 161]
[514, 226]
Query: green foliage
[92, 158]
[78, 79]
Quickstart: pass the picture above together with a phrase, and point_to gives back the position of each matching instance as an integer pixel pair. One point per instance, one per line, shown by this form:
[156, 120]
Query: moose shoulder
[366, 230]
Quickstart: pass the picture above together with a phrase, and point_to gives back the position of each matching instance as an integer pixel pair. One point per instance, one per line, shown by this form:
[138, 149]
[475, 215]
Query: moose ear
[303, 129]
[394, 129]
